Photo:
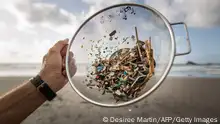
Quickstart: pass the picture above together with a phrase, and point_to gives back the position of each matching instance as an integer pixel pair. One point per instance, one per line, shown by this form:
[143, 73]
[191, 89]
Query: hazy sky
[29, 27]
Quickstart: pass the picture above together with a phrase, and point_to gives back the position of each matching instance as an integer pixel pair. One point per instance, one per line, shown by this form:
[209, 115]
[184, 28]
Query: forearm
[18, 104]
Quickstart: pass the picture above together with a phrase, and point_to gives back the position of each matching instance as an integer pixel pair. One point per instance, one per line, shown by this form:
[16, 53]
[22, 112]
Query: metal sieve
[113, 29]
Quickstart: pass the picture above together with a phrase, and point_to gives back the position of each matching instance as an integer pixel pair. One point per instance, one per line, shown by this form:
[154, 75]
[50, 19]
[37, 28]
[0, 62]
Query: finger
[73, 67]
[73, 71]
[64, 73]
[60, 45]
[64, 62]
[64, 50]
[72, 61]
[69, 60]
[70, 57]
[71, 54]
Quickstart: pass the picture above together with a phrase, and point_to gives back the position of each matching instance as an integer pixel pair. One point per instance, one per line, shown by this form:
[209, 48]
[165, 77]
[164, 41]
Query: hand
[53, 70]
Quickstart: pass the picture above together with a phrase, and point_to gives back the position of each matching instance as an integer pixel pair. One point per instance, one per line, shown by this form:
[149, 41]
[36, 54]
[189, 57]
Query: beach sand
[176, 97]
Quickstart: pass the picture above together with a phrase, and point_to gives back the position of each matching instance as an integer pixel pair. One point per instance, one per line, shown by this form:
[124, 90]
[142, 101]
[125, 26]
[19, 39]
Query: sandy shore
[177, 96]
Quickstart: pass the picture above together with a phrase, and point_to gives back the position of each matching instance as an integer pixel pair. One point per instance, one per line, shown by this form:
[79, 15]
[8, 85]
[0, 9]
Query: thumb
[61, 44]
[64, 50]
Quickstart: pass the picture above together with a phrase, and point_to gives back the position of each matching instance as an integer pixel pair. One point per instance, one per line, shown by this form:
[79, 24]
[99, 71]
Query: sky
[28, 28]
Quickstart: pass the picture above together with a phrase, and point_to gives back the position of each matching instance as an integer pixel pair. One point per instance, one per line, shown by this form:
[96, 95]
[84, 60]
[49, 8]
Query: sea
[31, 69]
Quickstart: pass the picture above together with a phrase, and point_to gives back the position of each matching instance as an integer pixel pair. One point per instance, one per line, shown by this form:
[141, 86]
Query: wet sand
[177, 97]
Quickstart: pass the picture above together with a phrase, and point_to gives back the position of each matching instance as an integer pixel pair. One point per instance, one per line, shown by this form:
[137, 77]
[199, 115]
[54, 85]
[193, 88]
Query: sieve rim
[163, 77]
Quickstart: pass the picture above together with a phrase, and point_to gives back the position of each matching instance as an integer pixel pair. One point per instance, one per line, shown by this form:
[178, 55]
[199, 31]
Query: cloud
[29, 28]
[196, 13]
[37, 12]
[96, 5]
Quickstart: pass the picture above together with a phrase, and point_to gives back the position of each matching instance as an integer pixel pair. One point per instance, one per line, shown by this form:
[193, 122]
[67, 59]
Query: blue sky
[205, 43]
[28, 24]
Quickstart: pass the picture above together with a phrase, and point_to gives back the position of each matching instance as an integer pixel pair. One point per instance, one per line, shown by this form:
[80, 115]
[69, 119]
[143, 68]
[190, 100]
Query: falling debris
[124, 40]
[126, 72]
[112, 33]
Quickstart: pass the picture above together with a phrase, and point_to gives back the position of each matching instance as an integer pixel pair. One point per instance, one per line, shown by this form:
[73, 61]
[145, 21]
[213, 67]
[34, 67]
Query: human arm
[20, 102]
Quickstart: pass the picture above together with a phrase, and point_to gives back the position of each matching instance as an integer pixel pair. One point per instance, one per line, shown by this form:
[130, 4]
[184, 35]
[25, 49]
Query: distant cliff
[194, 63]
[191, 63]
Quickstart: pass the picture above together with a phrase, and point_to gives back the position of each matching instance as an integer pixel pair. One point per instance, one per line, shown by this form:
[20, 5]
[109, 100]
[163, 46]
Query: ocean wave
[33, 69]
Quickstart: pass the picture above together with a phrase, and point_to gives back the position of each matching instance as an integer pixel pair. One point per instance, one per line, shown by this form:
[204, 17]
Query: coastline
[177, 96]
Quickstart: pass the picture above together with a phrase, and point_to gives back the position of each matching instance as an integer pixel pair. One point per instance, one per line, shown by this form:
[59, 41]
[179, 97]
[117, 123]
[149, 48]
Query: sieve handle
[187, 38]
